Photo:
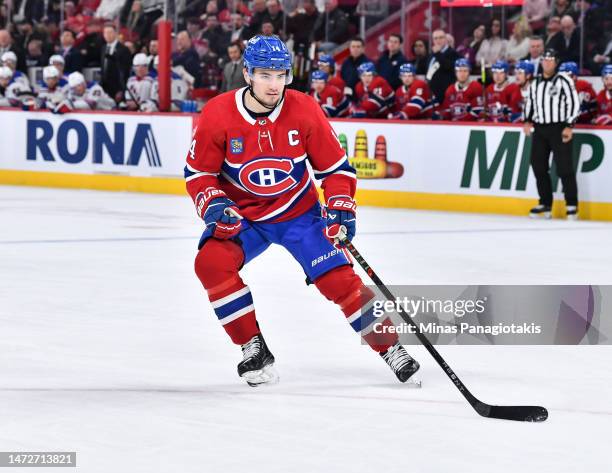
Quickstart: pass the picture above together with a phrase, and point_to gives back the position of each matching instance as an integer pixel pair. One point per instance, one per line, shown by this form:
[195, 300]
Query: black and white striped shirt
[552, 100]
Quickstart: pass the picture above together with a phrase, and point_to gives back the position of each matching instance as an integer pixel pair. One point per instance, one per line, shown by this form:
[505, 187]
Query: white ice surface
[108, 347]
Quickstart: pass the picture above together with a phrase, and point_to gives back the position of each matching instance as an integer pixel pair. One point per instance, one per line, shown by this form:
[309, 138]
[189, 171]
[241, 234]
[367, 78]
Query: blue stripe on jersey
[345, 166]
[364, 321]
[188, 173]
[234, 306]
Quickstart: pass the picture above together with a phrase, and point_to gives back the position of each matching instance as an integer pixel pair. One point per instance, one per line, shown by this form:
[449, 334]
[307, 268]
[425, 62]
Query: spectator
[413, 97]
[152, 10]
[25, 34]
[136, 21]
[331, 99]
[470, 46]
[332, 27]
[35, 56]
[536, 11]
[239, 28]
[518, 45]
[216, 37]
[536, 51]
[276, 16]
[301, 23]
[233, 78]
[116, 63]
[593, 22]
[109, 9]
[7, 44]
[31, 10]
[72, 57]
[604, 98]
[390, 60]
[267, 28]
[441, 65]
[259, 14]
[562, 8]
[194, 8]
[194, 28]
[494, 46]
[552, 28]
[602, 54]
[567, 41]
[348, 71]
[9, 59]
[374, 95]
[421, 56]
[91, 45]
[187, 57]
[84, 96]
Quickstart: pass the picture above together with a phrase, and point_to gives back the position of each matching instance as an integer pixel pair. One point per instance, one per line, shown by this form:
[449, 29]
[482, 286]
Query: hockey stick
[520, 413]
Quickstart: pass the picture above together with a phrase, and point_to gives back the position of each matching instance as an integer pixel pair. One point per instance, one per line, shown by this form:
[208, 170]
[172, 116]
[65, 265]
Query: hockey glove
[341, 219]
[219, 212]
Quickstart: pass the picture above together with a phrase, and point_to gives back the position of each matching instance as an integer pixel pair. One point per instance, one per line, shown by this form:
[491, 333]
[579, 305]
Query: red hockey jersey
[337, 82]
[332, 101]
[498, 100]
[517, 103]
[260, 163]
[414, 101]
[462, 103]
[376, 100]
[588, 101]
[604, 108]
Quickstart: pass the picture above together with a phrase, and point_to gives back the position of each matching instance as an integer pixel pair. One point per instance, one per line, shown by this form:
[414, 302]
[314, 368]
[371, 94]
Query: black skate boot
[257, 365]
[571, 212]
[540, 211]
[402, 364]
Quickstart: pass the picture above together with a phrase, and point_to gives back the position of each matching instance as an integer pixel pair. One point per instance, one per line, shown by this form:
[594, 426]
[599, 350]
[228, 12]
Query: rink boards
[434, 165]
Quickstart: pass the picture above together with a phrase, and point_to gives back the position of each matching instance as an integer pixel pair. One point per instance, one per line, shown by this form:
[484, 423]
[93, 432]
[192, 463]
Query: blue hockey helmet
[569, 66]
[326, 59]
[500, 66]
[267, 52]
[366, 68]
[525, 66]
[319, 75]
[462, 63]
[606, 70]
[407, 69]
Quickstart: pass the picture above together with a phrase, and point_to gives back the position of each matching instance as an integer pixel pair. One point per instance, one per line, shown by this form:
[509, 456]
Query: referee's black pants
[547, 138]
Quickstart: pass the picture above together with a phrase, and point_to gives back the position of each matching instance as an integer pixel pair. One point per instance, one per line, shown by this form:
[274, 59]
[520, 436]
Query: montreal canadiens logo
[267, 177]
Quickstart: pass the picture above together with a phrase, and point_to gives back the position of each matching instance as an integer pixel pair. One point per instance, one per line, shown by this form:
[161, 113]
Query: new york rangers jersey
[462, 102]
[332, 101]
[604, 107]
[139, 89]
[178, 92]
[588, 101]
[260, 163]
[376, 99]
[94, 98]
[12, 95]
[413, 101]
[22, 79]
[50, 98]
[498, 100]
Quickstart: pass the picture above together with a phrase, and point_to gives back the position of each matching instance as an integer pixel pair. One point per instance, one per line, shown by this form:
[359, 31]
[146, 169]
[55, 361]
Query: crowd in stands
[114, 41]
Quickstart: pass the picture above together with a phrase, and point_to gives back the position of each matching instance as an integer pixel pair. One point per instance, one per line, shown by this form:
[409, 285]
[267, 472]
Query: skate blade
[268, 375]
[542, 216]
[413, 383]
[572, 218]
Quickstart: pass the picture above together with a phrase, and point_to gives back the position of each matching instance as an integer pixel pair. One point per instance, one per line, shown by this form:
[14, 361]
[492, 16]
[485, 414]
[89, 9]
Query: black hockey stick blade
[519, 413]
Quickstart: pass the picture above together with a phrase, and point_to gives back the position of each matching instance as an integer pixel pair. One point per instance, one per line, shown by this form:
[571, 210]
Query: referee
[552, 106]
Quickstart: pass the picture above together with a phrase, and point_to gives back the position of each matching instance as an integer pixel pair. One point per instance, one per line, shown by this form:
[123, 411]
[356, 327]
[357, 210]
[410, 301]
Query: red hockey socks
[342, 286]
[217, 265]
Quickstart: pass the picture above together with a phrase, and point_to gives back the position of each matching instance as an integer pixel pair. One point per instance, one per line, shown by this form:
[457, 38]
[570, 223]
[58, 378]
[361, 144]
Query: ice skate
[400, 362]
[257, 365]
[540, 211]
[571, 212]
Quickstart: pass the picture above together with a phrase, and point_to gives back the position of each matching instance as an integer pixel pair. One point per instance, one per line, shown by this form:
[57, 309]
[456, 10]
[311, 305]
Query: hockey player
[604, 98]
[413, 98]
[588, 97]
[50, 94]
[463, 99]
[139, 86]
[374, 96]
[523, 72]
[85, 96]
[498, 96]
[13, 93]
[331, 100]
[327, 64]
[9, 59]
[248, 177]
[58, 62]
[179, 90]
